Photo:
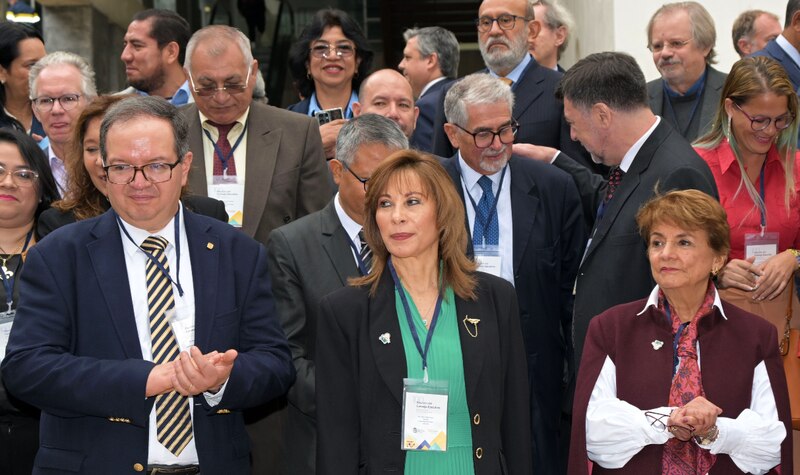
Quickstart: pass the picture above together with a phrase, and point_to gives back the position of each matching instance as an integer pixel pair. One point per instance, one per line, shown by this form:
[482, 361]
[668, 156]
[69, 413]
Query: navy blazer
[548, 230]
[74, 350]
[773, 50]
[428, 104]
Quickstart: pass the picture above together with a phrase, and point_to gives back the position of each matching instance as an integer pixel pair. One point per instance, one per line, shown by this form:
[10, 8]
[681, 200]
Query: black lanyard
[422, 352]
[223, 157]
[361, 266]
[484, 225]
[152, 258]
[8, 282]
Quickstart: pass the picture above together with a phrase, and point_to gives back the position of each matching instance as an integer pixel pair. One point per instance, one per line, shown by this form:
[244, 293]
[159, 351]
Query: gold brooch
[474, 322]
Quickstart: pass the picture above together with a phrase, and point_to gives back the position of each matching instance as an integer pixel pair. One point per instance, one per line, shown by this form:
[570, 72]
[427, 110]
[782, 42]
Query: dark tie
[173, 421]
[366, 253]
[614, 180]
[485, 232]
[224, 147]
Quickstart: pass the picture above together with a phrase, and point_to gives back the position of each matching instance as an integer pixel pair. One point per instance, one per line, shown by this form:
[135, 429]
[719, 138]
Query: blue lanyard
[676, 339]
[422, 352]
[222, 157]
[8, 282]
[361, 266]
[763, 205]
[152, 258]
[492, 212]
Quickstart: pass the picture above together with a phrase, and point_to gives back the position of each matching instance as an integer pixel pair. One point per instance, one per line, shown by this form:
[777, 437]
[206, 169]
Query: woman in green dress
[420, 364]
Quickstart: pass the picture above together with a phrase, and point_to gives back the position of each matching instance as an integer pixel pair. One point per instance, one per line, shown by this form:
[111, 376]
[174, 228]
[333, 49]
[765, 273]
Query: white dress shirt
[617, 430]
[135, 262]
[470, 187]
[351, 227]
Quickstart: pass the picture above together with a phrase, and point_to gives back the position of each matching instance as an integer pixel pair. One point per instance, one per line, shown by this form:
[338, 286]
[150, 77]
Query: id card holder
[424, 415]
[6, 321]
[232, 195]
[488, 259]
[181, 320]
[762, 246]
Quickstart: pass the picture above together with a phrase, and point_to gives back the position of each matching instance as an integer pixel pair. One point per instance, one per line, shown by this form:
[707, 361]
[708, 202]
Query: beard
[492, 161]
[149, 84]
[506, 60]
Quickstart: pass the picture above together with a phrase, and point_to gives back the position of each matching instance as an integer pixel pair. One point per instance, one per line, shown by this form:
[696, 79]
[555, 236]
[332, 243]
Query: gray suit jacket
[308, 259]
[709, 106]
[275, 191]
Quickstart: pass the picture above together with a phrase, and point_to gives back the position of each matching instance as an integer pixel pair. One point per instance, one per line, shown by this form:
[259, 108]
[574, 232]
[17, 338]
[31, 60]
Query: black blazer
[360, 381]
[428, 104]
[52, 219]
[548, 239]
[615, 268]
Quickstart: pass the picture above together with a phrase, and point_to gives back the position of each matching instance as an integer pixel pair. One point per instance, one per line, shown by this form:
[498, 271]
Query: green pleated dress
[444, 363]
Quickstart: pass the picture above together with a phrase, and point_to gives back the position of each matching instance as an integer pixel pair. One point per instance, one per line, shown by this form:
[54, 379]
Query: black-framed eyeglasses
[484, 138]
[760, 122]
[673, 45]
[324, 50]
[362, 180]
[67, 101]
[123, 174]
[656, 420]
[20, 177]
[211, 91]
[505, 21]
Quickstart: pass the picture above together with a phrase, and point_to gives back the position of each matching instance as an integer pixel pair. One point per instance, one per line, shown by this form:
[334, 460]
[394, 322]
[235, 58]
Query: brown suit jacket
[275, 191]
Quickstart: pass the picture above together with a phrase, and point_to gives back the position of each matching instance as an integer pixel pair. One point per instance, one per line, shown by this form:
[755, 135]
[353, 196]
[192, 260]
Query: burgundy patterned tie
[614, 180]
[224, 147]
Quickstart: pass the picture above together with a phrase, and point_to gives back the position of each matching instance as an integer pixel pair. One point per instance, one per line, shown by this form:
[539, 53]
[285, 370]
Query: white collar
[652, 300]
[627, 160]
[351, 227]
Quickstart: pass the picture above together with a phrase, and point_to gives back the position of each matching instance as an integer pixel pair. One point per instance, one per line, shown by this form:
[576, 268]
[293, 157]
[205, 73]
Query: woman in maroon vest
[681, 382]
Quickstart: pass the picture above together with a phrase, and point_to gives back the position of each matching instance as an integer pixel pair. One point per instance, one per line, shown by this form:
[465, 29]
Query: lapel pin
[210, 246]
[657, 344]
[386, 338]
[473, 331]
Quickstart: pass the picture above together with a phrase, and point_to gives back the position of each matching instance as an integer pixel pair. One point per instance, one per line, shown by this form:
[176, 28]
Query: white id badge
[424, 415]
[762, 246]
[181, 319]
[6, 320]
[488, 259]
[232, 195]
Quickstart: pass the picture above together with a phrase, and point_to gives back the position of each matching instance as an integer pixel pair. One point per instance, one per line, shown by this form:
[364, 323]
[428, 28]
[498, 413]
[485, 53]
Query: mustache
[497, 41]
[668, 62]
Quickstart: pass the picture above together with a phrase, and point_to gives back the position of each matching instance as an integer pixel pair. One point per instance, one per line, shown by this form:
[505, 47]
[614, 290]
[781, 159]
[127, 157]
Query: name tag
[6, 321]
[489, 259]
[232, 195]
[761, 246]
[181, 319]
[424, 415]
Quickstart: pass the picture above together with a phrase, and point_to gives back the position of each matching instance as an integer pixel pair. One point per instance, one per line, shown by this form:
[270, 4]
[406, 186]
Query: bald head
[388, 93]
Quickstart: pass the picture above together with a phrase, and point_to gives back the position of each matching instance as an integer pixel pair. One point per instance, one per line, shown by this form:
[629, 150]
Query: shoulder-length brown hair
[457, 269]
[81, 197]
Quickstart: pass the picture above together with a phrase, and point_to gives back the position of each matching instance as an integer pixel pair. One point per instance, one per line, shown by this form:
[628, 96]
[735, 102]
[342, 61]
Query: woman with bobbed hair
[426, 328]
[681, 382]
[21, 46]
[328, 63]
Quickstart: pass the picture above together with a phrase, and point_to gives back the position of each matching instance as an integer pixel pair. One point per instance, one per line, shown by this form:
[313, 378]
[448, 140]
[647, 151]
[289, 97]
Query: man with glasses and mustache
[527, 227]
[681, 37]
[266, 164]
[61, 85]
[504, 29]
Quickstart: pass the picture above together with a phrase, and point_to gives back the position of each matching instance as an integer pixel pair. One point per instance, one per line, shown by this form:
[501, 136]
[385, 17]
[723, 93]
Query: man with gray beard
[681, 37]
[527, 227]
[504, 28]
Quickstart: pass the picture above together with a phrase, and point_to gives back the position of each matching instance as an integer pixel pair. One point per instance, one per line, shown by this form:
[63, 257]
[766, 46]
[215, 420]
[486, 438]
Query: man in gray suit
[314, 256]
[266, 164]
[681, 37]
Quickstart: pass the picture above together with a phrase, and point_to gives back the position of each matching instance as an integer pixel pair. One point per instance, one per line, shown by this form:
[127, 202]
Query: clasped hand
[699, 413]
[191, 373]
[766, 280]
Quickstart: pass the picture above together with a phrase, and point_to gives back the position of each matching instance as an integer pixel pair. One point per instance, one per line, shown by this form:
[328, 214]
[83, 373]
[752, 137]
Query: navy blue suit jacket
[548, 240]
[428, 104]
[74, 350]
[774, 51]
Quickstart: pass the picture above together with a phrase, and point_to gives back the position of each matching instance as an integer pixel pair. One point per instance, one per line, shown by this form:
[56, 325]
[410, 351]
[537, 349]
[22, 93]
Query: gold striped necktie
[173, 421]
